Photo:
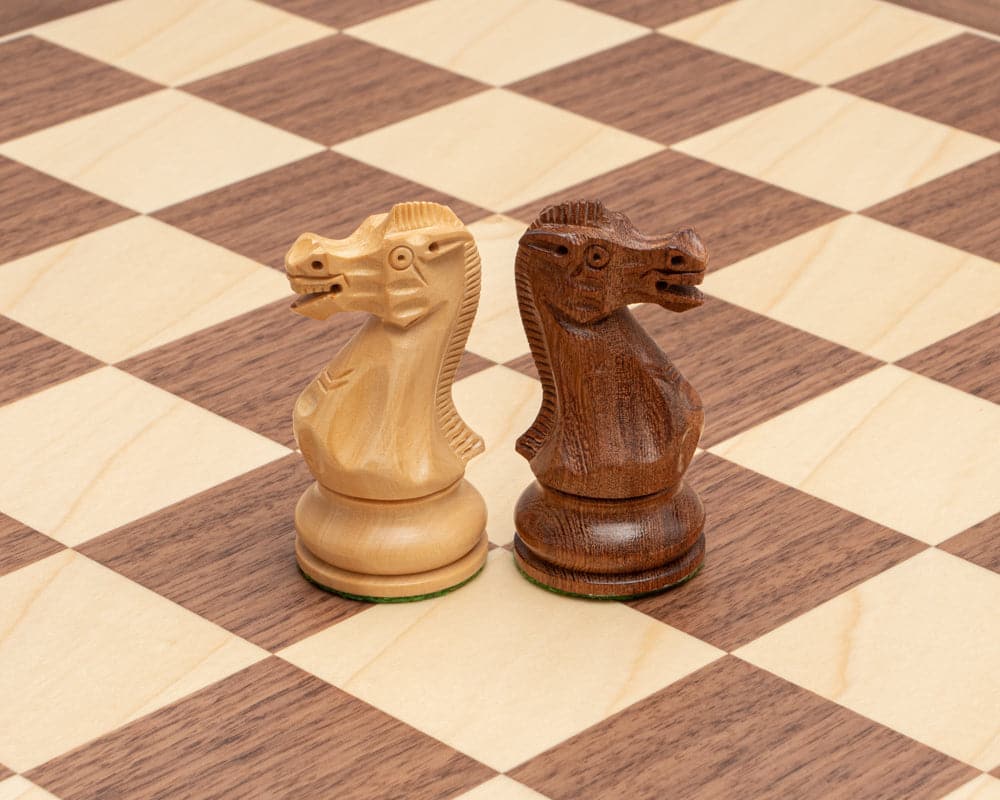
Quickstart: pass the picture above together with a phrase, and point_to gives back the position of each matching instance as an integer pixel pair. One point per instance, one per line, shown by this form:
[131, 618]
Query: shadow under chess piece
[390, 516]
[610, 514]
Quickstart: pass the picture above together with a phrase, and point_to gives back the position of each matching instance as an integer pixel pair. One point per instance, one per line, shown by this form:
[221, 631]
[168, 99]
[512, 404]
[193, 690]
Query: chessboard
[840, 159]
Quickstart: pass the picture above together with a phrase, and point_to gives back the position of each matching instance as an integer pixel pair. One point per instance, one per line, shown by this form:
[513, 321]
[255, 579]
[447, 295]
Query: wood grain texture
[675, 89]
[318, 193]
[378, 425]
[238, 571]
[618, 425]
[44, 85]
[30, 361]
[248, 369]
[268, 731]
[16, 15]
[968, 360]
[761, 368]
[980, 544]
[341, 13]
[280, 350]
[20, 545]
[958, 209]
[652, 13]
[953, 83]
[775, 553]
[740, 216]
[334, 89]
[731, 730]
[37, 211]
[983, 14]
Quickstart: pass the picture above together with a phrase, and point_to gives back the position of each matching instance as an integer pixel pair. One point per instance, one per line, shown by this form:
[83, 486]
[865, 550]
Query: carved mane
[579, 213]
[465, 442]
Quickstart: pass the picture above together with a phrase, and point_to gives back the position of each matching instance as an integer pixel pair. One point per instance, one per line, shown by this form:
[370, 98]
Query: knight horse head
[400, 266]
[587, 262]
[379, 421]
[617, 419]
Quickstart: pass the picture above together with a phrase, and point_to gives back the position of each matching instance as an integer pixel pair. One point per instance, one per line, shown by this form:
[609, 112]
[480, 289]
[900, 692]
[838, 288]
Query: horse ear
[547, 242]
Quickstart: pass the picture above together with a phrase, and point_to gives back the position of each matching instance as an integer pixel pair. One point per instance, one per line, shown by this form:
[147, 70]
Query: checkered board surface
[841, 159]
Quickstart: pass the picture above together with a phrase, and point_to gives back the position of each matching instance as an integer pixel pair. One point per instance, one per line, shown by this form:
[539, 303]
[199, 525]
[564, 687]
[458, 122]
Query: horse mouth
[308, 294]
[681, 285]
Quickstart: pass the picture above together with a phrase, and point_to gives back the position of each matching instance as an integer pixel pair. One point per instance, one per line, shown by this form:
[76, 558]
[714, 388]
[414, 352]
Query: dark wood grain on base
[652, 12]
[251, 368]
[48, 84]
[731, 730]
[758, 367]
[227, 555]
[38, 211]
[968, 360]
[30, 361]
[16, 15]
[261, 216]
[20, 546]
[675, 89]
[737, 215]
[953, 83]
[341, 13]
[334, 89]
[270, 731]
[775, 553]
[983, 14]
[959, 209]
[980, 544]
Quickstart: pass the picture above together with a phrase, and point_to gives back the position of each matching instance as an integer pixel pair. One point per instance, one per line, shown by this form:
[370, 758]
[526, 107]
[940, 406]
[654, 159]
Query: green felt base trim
[564, 593]
[409, 599]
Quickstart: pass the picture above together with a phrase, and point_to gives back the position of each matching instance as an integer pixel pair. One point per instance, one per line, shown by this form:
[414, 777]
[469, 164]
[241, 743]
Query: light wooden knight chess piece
[390, 515]
[610, 514]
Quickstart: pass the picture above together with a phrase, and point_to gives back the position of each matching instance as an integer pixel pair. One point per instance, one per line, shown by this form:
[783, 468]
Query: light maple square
[17, 787]
[822, 41]
[103, 449]
[497, 332]
[898, 448]
[181, 40]
[916, 648]
[499, 788]
[498, 149]
[84, 650]
[838, 148]
[500, 404]
[157, 150]
[490, 670]
[497, 42]
[866, 285]
[131, 287]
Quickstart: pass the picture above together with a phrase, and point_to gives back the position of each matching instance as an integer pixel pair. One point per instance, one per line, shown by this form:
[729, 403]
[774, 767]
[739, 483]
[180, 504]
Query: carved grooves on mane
[464, 441]
[420, 214]
[582, 213]
[532, 439]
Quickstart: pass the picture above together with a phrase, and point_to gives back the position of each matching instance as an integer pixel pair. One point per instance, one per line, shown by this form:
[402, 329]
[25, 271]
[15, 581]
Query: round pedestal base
[391, 550]
[392, 588]
[611, 549]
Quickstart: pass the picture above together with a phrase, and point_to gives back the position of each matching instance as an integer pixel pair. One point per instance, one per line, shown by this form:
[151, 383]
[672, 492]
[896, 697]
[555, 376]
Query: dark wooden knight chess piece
[610, 514]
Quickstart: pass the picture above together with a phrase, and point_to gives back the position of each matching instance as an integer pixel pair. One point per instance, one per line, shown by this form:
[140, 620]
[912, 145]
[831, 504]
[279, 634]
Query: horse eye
[597, 257]
[400, 257]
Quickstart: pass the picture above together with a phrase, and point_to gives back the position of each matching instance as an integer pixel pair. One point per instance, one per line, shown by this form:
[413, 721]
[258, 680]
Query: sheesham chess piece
[610, 514]
[390, 515]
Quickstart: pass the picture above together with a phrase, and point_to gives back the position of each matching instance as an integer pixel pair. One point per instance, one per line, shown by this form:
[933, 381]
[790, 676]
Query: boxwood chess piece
[390, 516]
[610, 514]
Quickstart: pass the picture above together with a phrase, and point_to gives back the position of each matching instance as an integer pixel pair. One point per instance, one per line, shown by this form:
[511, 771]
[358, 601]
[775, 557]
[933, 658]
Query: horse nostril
[336, 289]
[677, 261]
[317, 264]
